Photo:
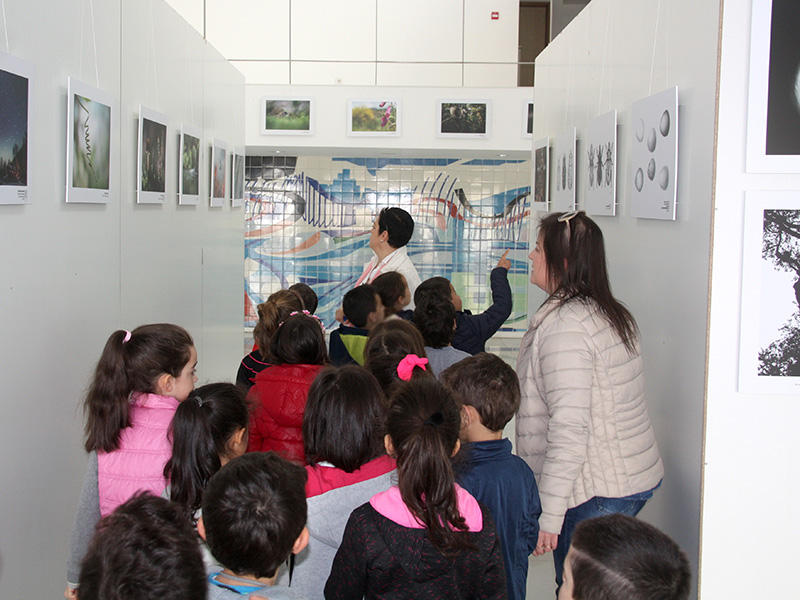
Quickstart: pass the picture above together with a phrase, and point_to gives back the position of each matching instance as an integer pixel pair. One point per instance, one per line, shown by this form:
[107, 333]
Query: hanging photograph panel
[189, 165]
[152, 164]
[562, 193]
[600, 166]
[16, 76]
[218, 167]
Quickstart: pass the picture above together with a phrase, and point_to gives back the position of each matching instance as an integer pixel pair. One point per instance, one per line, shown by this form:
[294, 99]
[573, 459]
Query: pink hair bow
[406, 366]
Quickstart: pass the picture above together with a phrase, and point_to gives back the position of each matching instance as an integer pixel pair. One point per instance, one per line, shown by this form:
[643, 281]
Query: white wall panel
[192, 11]
[420, 74]
[333, 30]
[489, 40]
[263, 71]
[333, 73]
[420, 31]
[257, 29]
[491, 75]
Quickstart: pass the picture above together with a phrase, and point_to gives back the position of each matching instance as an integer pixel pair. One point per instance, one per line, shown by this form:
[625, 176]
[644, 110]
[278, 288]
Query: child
[343, 431]
[388, 344]
[138, 383]
[435, 317]
[208, 430]
[144, 549]
[425, 537]
[489, 389]
[472, 331]
[254, 519]
[297, 353]
[395, 295]
[617, 557]
[307, 295]
[270, 314]
[363, 309]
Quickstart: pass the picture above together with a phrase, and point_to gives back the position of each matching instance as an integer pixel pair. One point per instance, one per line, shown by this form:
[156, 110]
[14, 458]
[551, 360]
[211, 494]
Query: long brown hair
[576, 265]
[271, 313]
[424, 422]
[126, 367]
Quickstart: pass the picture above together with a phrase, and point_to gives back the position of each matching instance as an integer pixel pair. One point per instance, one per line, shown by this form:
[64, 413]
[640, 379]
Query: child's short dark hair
[307, 295]
[299, 340]
[359, 302]
[617, 556]
[345, 418]
[145, 549]
[488, 384]
[398, 223]
[254, 509]
[433, 286]
[391, 287]
[435, 317]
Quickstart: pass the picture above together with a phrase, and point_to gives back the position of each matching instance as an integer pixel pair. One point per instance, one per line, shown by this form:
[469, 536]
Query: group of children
[385, 477]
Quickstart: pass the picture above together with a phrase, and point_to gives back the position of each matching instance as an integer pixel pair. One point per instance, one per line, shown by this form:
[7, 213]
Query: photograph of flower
[292, 116]
[15, 80]
[189, 168]
[218, 156]
[463, 119]
[541, 171]
[373, 118]
[89, 141]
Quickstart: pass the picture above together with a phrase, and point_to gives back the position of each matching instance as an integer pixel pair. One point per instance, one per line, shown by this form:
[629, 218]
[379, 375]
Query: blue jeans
[594, 507]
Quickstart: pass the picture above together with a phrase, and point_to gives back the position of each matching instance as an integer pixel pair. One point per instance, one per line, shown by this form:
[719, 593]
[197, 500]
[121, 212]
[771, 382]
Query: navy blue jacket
[505, 484]
[472, 331]
[344, 341]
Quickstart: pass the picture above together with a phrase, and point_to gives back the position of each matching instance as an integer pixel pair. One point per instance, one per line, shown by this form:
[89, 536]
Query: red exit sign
[495, 16]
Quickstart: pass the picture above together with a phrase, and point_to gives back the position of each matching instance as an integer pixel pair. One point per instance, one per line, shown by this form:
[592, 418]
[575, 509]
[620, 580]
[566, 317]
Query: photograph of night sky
[13, 129]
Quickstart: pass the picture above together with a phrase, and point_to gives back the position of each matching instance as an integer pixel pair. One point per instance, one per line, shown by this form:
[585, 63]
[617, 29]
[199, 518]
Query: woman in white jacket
[583, 425]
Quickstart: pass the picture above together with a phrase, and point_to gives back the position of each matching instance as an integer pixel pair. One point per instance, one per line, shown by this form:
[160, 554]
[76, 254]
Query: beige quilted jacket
[582, 426]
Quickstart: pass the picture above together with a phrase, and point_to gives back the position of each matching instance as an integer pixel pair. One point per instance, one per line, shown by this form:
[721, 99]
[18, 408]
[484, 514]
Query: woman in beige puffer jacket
[583, 425]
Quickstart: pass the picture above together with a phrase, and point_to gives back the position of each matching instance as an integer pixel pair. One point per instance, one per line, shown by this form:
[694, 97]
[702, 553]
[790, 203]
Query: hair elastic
[435, 419]
[127, 337]
[308, 314]
[199, 400]
[405, 368]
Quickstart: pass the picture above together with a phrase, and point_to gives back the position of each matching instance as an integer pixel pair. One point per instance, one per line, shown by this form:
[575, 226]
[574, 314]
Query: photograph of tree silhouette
[13, 129]
[780, 251]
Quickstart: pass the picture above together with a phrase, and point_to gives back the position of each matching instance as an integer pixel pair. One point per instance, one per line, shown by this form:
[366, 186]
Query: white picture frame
[460, 118]
[599, 165]
[287, 115]
[773, 117]
[376, 117]
[540, 190]
[563, 193]
[16, 82]
[91, 164]
[152, 167]
[654, 156]
[769, 295]
[219, 165]
[190, 160]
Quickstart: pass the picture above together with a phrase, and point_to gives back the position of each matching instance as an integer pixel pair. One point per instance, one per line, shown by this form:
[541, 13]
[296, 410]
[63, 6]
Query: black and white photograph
[654, 156]
[562, 194]
[541, 172]
[600, 165]
[770, 321]
[152, 165]
[15, 122]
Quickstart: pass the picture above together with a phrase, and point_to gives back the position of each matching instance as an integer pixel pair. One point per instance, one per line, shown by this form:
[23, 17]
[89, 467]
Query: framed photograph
[600, 169]
[654, 156]
[541, 172]
[373, 118]
[287, 116]
[562, 195]
[152, 163]
[189, 167]
[237, 178]
[773, 108]
[527, 119]
[90, 135]
[16, 76]
[218, 165]
[769, 347]
[459, 118]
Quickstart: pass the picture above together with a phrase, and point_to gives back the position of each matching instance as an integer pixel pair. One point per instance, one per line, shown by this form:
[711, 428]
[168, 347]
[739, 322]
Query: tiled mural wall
[308, 220]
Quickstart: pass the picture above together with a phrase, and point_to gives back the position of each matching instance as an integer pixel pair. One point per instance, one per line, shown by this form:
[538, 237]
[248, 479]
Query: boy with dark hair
[145, 549]
[307, 295]
[489, 390]
[363, 310]
[435, 317]
[254, 518]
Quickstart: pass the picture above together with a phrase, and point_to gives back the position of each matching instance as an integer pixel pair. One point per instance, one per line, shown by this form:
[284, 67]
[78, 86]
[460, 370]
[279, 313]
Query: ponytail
[424, 423]
[271, 313]
[200, 431]
[132, 361]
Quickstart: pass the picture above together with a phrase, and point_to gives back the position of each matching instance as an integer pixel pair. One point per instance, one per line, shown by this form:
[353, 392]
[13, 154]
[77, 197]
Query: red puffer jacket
[279, 396]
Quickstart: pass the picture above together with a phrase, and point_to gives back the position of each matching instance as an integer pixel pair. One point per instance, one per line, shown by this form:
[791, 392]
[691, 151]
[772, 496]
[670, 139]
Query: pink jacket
[143, 451]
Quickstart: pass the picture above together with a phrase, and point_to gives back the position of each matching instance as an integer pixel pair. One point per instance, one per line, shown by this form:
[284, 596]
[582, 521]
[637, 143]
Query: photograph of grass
[292, 116]
[89, 141]
[152, 156]
[373, 118]
[14, 124]
[218, 156]
[457, 119]
[189, 182]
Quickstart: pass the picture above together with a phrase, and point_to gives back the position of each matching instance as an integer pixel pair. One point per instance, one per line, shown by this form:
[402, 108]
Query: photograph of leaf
[465, 118]
[190, 165]
[91, 131]
[282, 115]
[154, 156]
[13, 129]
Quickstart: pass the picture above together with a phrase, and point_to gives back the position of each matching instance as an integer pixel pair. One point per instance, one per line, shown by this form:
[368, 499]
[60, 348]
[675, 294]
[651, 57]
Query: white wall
[751, 452]
[73, 273]
[611, 55]
[418, 114]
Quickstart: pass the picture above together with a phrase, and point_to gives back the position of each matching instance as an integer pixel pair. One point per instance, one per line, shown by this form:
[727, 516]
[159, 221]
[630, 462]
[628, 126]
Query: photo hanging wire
[5, 26]
[155, 72]
[94, 46]
[603, 66]
[570, 67]
[653, 57]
